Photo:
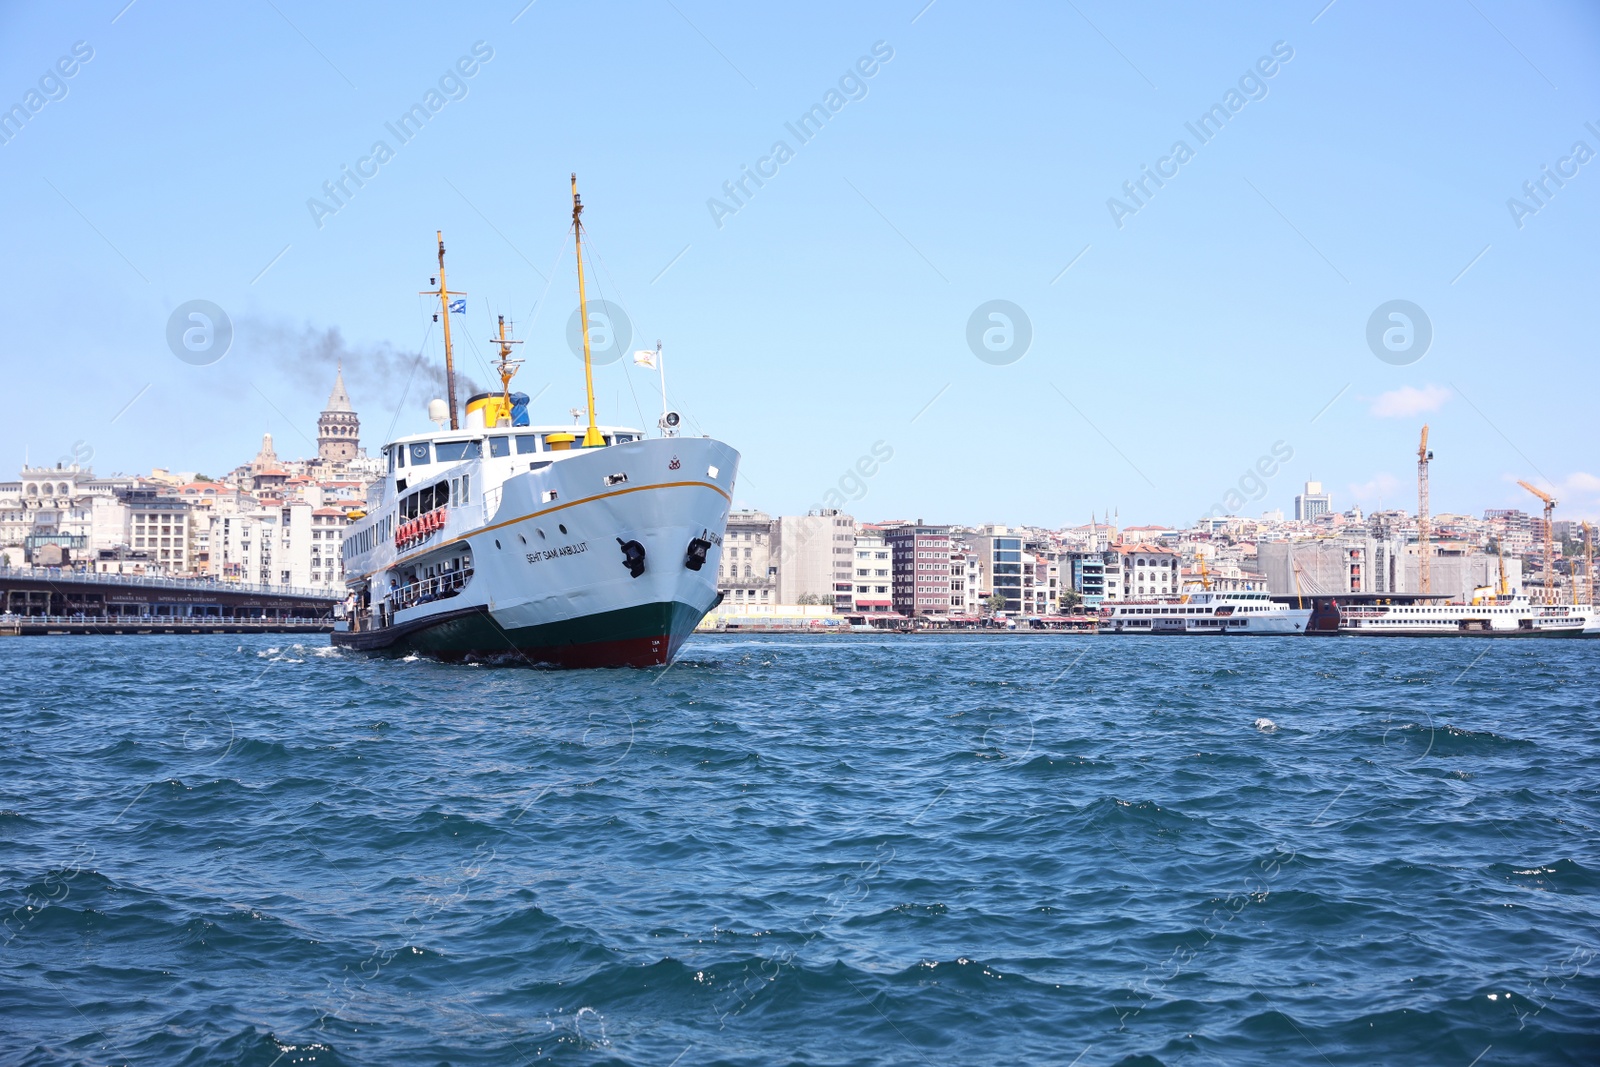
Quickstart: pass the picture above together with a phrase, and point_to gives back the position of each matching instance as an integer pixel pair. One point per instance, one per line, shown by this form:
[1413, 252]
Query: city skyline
[1183, 311]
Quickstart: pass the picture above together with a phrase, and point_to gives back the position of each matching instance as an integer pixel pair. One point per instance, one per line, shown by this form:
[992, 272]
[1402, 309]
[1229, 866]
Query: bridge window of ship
[453, 451]
[499, 447]
[419, 452]
[526, 443]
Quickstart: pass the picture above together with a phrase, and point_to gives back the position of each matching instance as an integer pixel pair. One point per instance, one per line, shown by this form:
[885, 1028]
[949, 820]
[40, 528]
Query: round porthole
[540, 532]
[497, 542]
[563, 529]
[524, 540]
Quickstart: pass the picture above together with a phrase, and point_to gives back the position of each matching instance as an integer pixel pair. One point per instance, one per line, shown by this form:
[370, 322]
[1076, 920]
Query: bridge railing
[70, 575]
[12, 620]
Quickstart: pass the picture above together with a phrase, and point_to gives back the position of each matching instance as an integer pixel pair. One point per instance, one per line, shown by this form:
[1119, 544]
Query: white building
[746, 574]
[966, 581]
[871, 581]
[279, 543]
[1146, 571]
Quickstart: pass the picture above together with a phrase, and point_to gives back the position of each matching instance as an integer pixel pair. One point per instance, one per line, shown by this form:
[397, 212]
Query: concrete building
[1369, 565]
[1149, 571]
[999, 552]
[159, 524]
[920, 568]
[1087, 574]
[747, 573]
[1456, 574]
[871, 589]
[1043, 579]
[279, 543]
[967, 580]
[815, 557]
[1312, 503]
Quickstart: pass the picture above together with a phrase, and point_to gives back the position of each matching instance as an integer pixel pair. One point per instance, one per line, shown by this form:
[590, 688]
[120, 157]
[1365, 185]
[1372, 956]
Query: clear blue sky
[832, 306]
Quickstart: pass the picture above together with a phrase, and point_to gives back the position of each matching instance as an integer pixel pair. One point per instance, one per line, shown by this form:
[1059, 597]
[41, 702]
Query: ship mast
[444, 295]
[1424, 550]
[508, 366]
[591, 436]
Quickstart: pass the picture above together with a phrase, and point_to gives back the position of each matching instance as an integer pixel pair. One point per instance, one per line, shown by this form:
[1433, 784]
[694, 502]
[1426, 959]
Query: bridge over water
[61, 600]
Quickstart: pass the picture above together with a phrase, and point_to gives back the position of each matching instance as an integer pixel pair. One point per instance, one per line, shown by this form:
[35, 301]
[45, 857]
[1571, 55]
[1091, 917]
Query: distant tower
[266, 459]
[338, 428]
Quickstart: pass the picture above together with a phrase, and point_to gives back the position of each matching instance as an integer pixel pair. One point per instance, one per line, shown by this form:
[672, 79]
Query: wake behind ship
[568, 546]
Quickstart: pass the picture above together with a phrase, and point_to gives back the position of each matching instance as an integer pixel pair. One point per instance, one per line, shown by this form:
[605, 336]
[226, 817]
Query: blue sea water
[822, 850]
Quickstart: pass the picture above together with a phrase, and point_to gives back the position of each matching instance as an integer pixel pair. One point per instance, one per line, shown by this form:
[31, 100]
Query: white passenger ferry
[1505, 615]
[1208, 612]
[564, 545]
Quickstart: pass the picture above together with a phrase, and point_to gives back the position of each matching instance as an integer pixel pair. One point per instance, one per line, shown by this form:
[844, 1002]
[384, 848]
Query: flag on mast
[645, 357]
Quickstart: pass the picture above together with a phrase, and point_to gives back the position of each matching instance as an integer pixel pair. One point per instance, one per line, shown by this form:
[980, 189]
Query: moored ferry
[1504, 615]
[571, 546]
[1208, 612]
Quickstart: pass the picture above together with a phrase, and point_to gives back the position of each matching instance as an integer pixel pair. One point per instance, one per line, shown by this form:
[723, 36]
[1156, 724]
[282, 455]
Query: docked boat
[1502, 615]
[1208, 612]
[571, 546]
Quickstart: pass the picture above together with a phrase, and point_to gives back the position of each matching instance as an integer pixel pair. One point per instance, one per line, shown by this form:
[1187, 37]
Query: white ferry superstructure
[1506, 615]
[572, 546]
[1213, 611]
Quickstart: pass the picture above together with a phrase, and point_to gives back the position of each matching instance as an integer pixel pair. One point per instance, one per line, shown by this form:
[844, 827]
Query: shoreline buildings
[273, 521]
[267, 522]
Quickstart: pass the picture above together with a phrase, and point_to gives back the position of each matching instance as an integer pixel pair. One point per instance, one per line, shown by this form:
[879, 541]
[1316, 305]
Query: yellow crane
[1424, 556]
[1588, 565]
[1549, 540]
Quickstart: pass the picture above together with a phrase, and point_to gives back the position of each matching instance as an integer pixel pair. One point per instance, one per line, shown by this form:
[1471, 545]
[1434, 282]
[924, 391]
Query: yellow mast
[508, 366]
[445, 294]
[1424, 555]
[591, 436]
[1588, 565]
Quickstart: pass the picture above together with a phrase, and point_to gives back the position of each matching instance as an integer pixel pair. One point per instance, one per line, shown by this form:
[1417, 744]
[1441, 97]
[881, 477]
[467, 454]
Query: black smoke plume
[378, 376]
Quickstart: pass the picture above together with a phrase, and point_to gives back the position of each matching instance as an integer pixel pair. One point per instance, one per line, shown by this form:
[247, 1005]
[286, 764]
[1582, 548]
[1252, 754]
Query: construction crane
[1423, 553]
[1549, 540]
[1588, 565]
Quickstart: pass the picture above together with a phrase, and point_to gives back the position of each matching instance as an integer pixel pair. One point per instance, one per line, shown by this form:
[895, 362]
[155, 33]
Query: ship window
[450, 451]
[400, 456]
[425, 499]
[441, 494]
[499, 446]
[527, 442]
[455, 487]
[466, 489]
[419, 452]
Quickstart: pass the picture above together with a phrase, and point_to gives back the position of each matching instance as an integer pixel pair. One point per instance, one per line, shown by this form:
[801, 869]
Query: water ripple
[821, 850]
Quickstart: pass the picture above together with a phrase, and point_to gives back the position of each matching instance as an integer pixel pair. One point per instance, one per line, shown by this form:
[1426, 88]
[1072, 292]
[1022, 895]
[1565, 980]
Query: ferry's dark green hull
[645, 635]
